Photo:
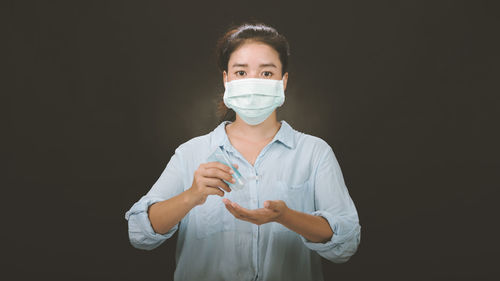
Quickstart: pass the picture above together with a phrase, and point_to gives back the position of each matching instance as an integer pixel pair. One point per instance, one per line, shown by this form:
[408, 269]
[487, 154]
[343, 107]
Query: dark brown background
[98, 94]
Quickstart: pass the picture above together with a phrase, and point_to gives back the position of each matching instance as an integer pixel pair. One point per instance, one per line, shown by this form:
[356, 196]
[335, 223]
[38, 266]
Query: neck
[259, 132]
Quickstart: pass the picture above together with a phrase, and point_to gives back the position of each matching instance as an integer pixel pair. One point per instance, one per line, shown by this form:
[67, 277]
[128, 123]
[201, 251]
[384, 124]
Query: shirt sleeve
[169, 184]
[332, 202]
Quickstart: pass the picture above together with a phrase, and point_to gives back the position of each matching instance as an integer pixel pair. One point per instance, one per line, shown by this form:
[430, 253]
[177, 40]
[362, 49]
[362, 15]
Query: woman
[294, 206]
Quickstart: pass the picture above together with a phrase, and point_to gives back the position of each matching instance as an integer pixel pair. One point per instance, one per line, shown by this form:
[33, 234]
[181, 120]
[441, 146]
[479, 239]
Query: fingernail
[233, 180]
[231, 172]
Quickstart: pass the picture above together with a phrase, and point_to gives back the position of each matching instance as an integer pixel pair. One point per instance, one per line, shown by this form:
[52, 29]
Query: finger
[218, 173]
[233, 212]
[242, 211]
[235, 165]
[272, 205]
[217, 183]
[214, 191]
[219, 165]
[241, 216]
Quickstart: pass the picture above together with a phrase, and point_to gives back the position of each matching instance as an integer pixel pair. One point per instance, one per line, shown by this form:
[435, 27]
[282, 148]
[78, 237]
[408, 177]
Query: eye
[240, 73]
[267, 74]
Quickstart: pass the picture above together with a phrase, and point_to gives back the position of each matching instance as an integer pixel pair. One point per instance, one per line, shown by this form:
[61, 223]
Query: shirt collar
[285, 135]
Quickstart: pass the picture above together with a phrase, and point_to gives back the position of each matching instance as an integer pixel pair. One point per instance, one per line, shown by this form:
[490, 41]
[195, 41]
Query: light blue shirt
[295, 167]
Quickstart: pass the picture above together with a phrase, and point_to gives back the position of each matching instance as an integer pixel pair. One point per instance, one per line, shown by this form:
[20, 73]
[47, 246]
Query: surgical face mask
[254, 99]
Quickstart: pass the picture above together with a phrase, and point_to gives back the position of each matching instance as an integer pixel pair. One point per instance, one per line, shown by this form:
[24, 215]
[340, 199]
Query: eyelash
[270, 73]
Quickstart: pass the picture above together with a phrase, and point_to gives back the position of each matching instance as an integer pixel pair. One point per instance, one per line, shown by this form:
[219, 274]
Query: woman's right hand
[208, 180]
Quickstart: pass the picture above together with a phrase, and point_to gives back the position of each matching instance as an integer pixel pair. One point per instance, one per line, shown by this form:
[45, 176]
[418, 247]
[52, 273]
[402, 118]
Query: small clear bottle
[220, 155]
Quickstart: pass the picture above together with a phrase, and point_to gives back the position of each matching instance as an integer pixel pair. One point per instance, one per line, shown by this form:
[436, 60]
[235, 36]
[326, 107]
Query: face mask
[254, 99]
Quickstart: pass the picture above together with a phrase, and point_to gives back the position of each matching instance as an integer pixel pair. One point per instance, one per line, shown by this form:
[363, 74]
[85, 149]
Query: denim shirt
[295, 167]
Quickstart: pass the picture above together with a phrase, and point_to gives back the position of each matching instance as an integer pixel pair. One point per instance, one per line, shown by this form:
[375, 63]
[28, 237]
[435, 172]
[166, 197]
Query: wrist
[190, 198]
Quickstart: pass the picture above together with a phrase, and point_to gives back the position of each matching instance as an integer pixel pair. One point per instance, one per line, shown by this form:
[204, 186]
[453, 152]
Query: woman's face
[255, 60]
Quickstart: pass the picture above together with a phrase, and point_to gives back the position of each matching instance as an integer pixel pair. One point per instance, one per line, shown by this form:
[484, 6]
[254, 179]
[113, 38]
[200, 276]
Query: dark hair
[234, 38]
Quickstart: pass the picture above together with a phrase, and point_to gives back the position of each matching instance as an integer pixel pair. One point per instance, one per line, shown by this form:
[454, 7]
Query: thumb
[270, 204]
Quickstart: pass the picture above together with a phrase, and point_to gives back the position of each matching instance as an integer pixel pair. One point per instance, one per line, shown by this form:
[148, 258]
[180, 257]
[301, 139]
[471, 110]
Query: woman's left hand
[272, 211]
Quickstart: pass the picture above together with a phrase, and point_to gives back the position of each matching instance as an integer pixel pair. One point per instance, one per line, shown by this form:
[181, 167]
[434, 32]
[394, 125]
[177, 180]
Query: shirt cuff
[139, 223]
[342, 231]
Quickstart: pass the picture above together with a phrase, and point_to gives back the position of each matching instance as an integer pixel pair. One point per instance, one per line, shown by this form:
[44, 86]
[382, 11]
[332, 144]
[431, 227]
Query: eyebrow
[261, 65]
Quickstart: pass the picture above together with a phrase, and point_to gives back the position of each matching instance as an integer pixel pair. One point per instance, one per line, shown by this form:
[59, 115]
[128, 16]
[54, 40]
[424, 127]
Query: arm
[169, 184]
[153, 219]
[334, 204]
[313, 228]
[164, 215]
[207, 180]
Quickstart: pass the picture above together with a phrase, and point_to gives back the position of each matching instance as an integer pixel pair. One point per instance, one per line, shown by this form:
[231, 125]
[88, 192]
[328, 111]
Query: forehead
[254, 53]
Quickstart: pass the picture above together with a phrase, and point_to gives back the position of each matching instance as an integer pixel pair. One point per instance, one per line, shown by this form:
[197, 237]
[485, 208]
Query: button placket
[254, 205]
[254, 195]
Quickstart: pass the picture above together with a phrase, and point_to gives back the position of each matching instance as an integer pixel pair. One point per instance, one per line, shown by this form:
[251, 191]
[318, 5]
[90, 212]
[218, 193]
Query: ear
[285, 80]
[224, 78]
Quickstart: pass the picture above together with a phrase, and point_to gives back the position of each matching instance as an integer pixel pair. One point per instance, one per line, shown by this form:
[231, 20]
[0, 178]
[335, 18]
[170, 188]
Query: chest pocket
[298, 197]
